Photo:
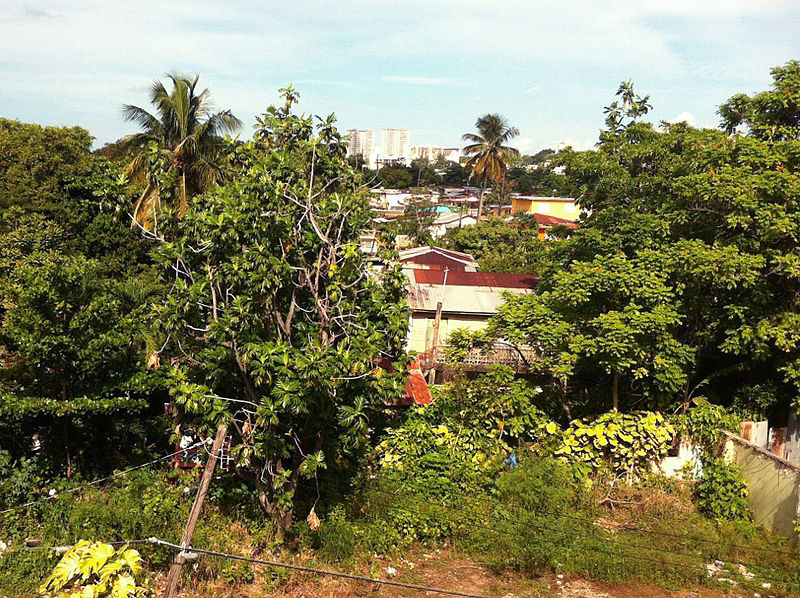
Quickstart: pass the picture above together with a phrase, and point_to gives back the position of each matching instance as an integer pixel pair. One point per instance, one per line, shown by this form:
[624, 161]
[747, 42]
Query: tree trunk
[615, 392]
[564, 401]
[480, 200]
[67, 449]
[66, 427]
[269, 502]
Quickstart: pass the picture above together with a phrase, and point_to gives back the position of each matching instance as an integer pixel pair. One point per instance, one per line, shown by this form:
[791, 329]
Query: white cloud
[87, 58]
[684, 116]
[576, 144]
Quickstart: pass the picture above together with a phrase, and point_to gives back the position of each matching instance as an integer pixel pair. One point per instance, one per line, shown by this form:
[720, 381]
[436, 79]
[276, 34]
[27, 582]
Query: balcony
[480, 359]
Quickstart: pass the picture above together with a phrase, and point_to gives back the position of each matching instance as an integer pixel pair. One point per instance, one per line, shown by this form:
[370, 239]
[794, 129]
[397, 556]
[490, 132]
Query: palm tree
[185, 134]
[488, 155]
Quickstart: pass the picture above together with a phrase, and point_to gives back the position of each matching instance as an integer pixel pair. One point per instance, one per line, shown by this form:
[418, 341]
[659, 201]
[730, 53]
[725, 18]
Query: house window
[569, 208]
[544, 208]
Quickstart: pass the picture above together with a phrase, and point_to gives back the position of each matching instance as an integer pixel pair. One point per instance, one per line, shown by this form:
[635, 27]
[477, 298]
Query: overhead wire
[99, 480]
[315, 571]
[594, 548]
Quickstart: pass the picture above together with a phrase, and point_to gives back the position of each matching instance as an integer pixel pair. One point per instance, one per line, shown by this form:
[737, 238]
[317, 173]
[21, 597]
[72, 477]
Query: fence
[773, 484]
[479, 359]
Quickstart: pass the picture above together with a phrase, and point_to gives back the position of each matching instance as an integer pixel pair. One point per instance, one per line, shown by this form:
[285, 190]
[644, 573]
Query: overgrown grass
[539, 518]
[135, 507]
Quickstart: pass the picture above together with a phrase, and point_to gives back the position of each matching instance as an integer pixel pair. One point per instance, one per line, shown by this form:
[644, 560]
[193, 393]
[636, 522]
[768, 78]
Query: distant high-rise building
[394, 143]
[362, 143]
[434, 152]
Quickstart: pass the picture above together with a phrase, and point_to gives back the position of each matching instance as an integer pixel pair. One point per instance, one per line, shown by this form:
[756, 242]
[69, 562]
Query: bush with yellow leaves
[96, 570]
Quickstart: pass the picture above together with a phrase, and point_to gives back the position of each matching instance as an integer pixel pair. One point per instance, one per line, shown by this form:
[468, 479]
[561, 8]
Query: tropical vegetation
[184, 139]
[244, 300]
[488, 155]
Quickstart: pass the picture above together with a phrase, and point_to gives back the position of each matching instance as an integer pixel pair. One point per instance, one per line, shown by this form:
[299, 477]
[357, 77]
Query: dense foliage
[683, 277]
[74, 287]
[500, 245]
[274, 318]
[35, 162]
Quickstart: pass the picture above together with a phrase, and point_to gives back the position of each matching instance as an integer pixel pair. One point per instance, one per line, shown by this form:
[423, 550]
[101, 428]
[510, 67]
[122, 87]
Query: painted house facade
[468, 300]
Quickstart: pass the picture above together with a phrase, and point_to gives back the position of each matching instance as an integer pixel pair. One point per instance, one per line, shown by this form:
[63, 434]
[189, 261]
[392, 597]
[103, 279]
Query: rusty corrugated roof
[546, 219]
[497, 280]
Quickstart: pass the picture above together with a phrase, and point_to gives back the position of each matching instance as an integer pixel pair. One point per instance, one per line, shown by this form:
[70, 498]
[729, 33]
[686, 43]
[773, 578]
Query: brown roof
[547, 220]
[477, 279]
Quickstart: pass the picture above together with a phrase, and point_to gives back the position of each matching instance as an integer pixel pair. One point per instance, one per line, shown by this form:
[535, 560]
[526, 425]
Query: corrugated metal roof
[438, 257]
[477, 279]
[470, 293]
[547, 220]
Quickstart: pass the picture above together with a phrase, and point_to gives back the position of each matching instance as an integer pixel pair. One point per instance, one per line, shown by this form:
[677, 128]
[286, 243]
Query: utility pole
[175, 571]
[436, 323]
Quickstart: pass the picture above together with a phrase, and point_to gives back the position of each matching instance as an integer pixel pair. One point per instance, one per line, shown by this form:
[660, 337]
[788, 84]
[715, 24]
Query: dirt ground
[445, 572]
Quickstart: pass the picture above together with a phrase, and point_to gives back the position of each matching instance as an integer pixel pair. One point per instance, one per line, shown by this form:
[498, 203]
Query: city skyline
[549, 69]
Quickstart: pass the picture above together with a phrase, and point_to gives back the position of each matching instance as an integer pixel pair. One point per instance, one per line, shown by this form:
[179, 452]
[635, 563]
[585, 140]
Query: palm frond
[141, 117]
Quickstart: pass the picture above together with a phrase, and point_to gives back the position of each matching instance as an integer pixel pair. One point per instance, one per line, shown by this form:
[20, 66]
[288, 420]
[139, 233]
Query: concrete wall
[541, 205]
[773, 484]
[420, 334]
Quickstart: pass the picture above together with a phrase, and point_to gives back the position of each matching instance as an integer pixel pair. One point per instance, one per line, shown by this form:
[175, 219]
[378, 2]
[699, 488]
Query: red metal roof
[547, 220]
[416, 391]
[477, 279]
[442, 258]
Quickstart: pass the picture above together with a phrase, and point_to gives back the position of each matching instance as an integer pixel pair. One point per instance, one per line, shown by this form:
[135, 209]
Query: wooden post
[175, 571]
[435, 347]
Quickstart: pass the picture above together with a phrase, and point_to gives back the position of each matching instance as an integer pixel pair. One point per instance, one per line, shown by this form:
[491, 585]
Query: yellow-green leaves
[95, 570]
[630, 443]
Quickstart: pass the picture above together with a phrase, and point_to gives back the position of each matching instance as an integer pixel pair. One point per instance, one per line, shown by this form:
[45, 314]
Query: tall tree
[489, 156]
[276, 316]
[716, 217]
[184, 137]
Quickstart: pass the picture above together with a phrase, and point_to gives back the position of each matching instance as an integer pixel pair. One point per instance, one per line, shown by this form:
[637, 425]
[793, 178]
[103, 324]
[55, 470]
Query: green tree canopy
[711, 220]
[36, 161]
[275, 317]
[772, 115]
[500, 245]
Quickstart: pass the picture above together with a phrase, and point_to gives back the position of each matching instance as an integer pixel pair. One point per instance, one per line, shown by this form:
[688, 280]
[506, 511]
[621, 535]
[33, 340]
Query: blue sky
[431, 66]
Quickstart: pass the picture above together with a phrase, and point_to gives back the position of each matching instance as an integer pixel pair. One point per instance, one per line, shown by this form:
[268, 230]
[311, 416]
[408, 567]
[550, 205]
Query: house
[448, 220]
[546, 222]
[437, 258]
[561, 207]
[468, 300]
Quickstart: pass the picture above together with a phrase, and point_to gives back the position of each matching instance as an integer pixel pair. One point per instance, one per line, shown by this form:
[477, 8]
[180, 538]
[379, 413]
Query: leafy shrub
[457, 443]
[722, 491]
[18, 479]
[629, 442]
[97, 570]
[703, 423]
[238, 573]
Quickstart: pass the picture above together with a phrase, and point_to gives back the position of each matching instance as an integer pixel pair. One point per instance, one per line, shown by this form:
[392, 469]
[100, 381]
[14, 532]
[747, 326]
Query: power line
[100, 480]
[235, 557]
[618, 526]
[564, 534]
[61, 549]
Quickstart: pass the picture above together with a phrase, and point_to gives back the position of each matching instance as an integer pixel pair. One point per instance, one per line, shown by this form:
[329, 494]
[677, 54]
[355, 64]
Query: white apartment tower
[394, 143]
[362, 142]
